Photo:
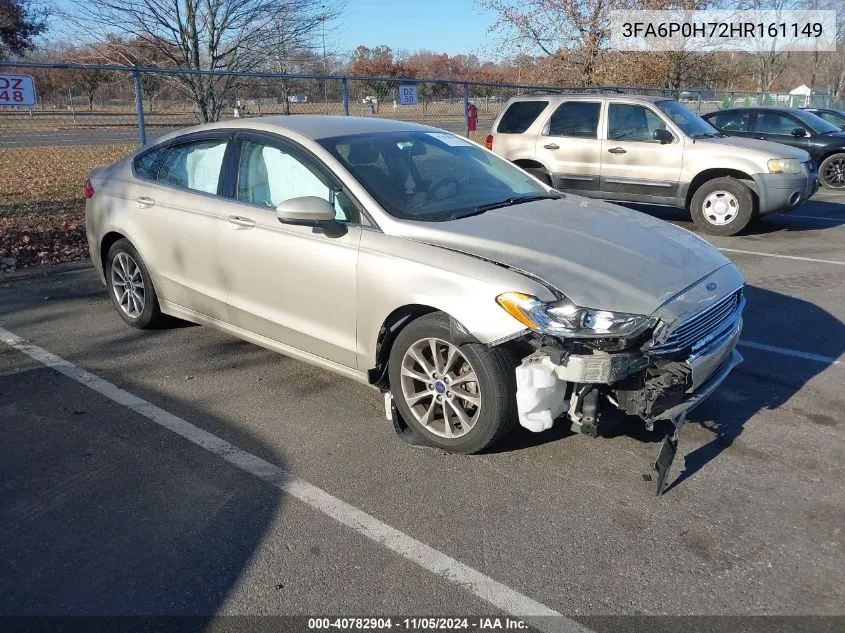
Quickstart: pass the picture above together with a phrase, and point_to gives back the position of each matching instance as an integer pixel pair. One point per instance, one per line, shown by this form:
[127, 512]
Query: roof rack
[576, 90]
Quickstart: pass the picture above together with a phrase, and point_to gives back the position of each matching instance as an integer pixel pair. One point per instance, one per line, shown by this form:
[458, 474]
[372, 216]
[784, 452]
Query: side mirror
[663, 135]
[305, 210]
[799, 132]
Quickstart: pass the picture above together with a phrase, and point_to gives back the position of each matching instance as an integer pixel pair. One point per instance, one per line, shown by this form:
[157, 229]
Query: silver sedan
[413, 260]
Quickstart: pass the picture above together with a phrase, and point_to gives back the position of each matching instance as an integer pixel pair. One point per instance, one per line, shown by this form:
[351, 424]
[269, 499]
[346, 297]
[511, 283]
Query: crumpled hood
[599, 255]
[772, 150]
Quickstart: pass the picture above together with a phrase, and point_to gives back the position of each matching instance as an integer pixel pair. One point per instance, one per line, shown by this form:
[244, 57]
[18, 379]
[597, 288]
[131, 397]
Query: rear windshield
[519, 116]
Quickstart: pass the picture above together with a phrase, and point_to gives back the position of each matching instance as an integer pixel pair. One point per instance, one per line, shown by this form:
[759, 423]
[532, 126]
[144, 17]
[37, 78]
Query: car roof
[313, 126]
[755, 109]
[592, 96]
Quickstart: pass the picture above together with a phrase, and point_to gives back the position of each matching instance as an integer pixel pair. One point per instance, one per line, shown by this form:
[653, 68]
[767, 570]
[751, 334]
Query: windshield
[814, 122]
[687, 120]
[432, 176]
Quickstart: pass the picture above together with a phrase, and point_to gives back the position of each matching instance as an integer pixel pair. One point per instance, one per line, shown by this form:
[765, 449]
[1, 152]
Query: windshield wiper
[509, 202]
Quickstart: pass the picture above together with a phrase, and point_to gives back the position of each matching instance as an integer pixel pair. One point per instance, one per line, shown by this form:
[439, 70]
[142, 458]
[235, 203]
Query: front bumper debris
[678, 416]
[635, 383]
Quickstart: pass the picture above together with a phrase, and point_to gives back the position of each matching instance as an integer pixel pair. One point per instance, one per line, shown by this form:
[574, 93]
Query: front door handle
[552, 146]
[618, 150]
[238, 222]
[144, 202]
[762, 137]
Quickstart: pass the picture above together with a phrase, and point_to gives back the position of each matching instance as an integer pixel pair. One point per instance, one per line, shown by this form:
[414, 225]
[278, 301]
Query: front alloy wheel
[440, 388]
[832, 171]
[453, 394]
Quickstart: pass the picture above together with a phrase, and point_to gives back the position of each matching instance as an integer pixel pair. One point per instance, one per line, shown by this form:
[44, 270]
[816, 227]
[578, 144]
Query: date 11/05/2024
[418, 624]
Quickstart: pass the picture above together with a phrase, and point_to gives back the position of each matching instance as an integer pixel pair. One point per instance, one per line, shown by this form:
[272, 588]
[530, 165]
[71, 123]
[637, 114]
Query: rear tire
[436, 397]
[722, 206]
[131, 287]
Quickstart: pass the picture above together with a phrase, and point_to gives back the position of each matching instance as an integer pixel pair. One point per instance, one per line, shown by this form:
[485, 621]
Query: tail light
[488, 142]
[89, 188]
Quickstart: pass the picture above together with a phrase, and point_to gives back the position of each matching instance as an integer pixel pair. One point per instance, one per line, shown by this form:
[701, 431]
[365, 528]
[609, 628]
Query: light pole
[322, 20]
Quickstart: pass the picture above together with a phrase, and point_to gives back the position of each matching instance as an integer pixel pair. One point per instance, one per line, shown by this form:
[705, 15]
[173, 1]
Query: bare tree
[296, 38]
[833, 67]
[204, 35]
[576, 31]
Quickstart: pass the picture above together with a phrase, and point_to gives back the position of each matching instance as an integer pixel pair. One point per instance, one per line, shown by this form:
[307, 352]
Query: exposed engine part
[650, 393]
[597, 368]
[545, 388]
[540, 395]
[585, 410]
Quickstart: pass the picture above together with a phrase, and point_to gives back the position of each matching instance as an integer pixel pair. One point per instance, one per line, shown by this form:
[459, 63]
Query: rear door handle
[144, 202]
[552, 146]
[239, 222]
[618, 150]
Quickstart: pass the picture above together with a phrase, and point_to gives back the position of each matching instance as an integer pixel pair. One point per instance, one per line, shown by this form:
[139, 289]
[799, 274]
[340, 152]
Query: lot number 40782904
[17, 90]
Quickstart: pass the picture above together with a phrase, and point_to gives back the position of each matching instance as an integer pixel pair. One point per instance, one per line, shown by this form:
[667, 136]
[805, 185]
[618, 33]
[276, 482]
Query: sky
[442, 26]
[447, 26]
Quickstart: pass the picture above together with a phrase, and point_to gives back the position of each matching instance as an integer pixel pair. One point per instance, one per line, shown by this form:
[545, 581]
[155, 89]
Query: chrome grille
[702, 326]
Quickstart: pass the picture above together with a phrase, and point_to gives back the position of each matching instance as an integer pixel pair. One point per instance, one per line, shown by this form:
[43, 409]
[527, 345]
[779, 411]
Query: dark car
[831, 115]
[824, 141]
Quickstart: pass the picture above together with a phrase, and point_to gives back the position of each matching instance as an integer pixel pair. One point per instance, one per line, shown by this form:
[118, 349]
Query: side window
[736, 122]
[838, 121]
[775, 123]
[576, 118]
[519, 116]
[194, 165]
[267, 176]
[632, 122]
[146, 165]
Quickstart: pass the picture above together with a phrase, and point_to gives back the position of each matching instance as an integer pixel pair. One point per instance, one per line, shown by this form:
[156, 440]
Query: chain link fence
[88, 116]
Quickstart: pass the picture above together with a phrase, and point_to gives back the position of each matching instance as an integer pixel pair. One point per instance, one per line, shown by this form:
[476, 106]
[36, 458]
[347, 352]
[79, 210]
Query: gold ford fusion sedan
[411, 259]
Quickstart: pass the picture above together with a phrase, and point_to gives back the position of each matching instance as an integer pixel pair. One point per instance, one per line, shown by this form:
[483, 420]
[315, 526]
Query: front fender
[394, 272]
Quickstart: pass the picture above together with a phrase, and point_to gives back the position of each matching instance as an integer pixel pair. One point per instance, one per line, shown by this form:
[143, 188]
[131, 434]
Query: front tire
[455, 396]
[722, 206]
[832, 172]
[131, 287]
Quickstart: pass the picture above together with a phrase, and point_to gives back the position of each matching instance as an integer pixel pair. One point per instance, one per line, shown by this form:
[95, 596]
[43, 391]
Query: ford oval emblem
[711, 286]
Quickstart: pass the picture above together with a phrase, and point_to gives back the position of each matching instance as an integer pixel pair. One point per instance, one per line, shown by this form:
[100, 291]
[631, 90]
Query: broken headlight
[565, 319]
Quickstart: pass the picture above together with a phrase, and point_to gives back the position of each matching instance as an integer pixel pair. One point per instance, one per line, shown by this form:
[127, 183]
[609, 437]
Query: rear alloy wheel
[458, 397]
[130, 286]
[832, 172]
[722, 206]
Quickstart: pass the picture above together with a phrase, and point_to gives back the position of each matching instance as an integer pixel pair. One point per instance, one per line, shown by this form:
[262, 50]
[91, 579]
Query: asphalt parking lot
[177, 503]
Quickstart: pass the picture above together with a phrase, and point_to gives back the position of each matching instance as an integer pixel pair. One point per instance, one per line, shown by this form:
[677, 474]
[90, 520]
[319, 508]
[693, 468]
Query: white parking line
[495, 593]
[802, 259]
[791, 352]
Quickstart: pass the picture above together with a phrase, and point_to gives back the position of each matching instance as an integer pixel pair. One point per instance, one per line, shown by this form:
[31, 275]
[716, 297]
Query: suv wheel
[722, 206]
[458, 397]
[832, 171]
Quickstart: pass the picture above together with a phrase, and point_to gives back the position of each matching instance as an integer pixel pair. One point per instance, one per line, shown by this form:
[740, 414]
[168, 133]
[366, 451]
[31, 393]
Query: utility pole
[322, 20]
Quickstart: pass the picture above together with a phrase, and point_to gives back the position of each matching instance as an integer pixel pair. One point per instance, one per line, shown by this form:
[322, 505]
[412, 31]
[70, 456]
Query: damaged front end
[656, 368]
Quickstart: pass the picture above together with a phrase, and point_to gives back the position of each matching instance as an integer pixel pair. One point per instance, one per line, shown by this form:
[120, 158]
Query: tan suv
[651, 150]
